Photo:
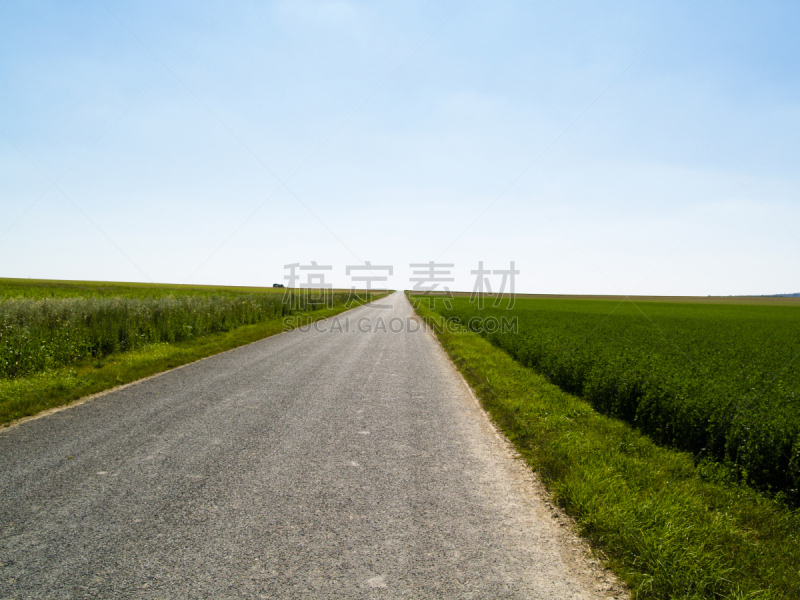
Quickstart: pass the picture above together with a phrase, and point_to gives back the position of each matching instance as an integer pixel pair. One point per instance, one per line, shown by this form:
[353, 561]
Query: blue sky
[634, 148]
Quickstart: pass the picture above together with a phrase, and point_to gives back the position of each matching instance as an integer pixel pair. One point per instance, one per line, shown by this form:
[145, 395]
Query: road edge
[588, 563]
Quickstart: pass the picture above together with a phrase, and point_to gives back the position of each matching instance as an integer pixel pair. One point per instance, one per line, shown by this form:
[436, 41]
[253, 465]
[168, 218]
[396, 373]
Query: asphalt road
[314, 464]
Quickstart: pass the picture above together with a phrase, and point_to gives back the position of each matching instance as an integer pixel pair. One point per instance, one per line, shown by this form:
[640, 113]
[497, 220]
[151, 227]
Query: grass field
[788, 300]
[52, 288]
[63, 340]
[671, 526]
[719, 380]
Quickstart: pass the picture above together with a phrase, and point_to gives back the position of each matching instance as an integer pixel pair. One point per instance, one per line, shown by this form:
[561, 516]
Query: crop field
[43, 326]
[49, 288]
[721, 381]
[48, 327]
[717, 379]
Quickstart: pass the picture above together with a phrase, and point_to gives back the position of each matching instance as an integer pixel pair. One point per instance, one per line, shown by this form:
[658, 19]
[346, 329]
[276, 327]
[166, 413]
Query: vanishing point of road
[346, 461]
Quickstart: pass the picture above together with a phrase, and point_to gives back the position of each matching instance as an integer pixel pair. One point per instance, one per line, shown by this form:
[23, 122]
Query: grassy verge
[667, 527]
[27, 396]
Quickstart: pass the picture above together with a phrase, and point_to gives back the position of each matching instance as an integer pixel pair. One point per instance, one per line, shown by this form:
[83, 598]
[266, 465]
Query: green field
[62, 340]
[52, 288]
[719, 380]
[672, 523]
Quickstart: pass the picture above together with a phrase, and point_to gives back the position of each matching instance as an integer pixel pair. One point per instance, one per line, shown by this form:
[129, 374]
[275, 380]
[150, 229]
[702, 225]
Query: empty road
[348, 461]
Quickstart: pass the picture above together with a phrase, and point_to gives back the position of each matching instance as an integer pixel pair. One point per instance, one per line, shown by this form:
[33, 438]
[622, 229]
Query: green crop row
[42, 334]
[50, 288]
[721, 381]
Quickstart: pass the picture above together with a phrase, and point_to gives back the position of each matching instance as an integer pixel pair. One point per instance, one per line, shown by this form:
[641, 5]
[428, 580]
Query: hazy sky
[616, 147]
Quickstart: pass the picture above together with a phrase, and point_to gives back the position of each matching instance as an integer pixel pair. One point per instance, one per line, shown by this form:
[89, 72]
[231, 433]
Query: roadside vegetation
[673, 524]
[720, 381]
[61, 340]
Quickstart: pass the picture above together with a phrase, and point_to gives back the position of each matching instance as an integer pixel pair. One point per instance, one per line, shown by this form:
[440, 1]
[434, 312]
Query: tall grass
[52, 288]
[41, 334]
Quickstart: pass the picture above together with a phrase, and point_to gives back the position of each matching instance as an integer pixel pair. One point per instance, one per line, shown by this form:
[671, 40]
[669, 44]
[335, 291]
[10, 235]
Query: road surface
[348, 461]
